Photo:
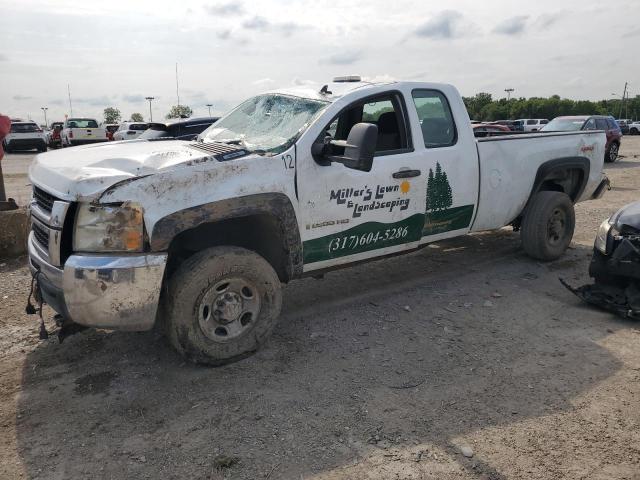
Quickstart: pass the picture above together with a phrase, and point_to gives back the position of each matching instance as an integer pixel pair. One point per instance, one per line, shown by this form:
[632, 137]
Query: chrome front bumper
[102, 291]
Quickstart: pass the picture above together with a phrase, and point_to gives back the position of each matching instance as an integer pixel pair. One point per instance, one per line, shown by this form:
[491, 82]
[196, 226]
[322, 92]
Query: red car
[591, 122]
[489, 129]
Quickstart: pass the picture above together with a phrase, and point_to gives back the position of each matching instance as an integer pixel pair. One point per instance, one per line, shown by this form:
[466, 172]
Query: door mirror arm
[359, 148]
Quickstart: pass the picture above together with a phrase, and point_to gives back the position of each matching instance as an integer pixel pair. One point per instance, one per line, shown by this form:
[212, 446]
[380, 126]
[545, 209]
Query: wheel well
[567, 180]
[261, 233]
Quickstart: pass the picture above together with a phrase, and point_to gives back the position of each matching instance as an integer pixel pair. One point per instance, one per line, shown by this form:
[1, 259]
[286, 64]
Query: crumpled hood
[84, 172]
[628, 215]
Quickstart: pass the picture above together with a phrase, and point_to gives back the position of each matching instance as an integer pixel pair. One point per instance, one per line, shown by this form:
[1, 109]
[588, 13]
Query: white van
[533, 124]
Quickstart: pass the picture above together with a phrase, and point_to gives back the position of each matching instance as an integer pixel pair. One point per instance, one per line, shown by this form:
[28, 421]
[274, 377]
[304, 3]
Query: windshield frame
[272, 150]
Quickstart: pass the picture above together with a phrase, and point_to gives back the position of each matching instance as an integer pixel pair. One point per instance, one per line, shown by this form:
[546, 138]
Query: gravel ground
[464, 360]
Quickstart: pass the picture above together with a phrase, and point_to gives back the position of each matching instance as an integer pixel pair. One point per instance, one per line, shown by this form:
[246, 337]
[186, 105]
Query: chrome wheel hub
[228, 309]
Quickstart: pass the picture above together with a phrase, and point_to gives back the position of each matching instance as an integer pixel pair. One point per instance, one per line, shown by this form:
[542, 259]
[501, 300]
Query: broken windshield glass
[266, 123]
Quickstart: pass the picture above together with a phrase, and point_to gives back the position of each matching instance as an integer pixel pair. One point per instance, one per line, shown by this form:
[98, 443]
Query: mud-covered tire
[611, 155]
[548, 225]
[197, 280]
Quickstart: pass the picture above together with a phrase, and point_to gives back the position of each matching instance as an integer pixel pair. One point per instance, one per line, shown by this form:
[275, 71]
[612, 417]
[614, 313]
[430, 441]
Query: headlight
[603, 236]
[109, 228]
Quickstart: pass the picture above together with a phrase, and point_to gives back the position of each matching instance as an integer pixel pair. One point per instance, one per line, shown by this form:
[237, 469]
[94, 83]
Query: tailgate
[88, 133]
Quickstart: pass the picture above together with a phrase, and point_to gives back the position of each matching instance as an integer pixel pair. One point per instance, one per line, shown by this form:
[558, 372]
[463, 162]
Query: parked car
[25, 136]
[291, 183]
[634, 128]
[532, 124]
[623, 123]
[518, 126]
[510, 124]
[110, 128]
[80, 131]
[591, 122]
[481, 130]
[54, 138]
[180, 129]
[130, 130]
[615, 265]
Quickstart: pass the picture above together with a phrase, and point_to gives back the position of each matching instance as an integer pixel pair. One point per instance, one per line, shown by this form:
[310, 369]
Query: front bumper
[102, 291]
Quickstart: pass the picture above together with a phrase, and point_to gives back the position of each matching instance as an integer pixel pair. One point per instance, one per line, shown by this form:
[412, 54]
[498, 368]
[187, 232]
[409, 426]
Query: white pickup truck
[295, 182]
[80, 131]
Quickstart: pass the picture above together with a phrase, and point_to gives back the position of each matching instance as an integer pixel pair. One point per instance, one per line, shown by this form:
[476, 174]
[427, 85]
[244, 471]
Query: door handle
[407, 173]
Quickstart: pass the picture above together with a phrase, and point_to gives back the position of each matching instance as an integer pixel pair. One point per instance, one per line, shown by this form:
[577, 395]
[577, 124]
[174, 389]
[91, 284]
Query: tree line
[483, 107]
[113, 115]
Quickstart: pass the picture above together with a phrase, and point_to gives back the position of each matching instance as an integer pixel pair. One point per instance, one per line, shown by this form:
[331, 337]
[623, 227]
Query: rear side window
[24, 127]
[532, 122]
[436, 119]
[138, 126]
[544, 122]
[612, 124]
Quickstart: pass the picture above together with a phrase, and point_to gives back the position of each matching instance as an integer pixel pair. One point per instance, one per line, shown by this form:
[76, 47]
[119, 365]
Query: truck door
[348, 215]
[449, 160]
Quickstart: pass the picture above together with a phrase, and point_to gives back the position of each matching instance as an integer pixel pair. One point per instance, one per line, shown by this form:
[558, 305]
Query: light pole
[150, 99]
[508, 90]
[209, 105]
[44, 109]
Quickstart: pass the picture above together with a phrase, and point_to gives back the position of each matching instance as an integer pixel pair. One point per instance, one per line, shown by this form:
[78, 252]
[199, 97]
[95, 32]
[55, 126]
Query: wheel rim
[613, 152]
[556, 226]
[228, 309]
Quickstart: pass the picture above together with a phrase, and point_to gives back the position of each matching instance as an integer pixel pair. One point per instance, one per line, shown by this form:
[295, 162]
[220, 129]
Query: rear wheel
[222, 304]
[612, 152]
[634, 131]
[548, 225]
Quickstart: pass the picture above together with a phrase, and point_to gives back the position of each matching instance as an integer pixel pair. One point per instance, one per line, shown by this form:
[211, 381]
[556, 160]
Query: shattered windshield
[266, 123]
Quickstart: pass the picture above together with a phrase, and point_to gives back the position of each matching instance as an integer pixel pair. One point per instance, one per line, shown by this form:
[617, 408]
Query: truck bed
[508, 166]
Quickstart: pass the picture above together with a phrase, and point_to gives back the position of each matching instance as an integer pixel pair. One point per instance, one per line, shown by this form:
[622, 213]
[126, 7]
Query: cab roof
[334, 90]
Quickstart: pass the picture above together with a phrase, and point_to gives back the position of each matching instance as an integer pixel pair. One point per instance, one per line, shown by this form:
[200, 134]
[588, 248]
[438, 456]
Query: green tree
[430, 192]
[437, 194]
[137, 117]
[179, 111]
[445, 192]
[112, 115]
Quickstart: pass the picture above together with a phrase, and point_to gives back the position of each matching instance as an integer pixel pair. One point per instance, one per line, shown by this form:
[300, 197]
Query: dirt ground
[388, 370]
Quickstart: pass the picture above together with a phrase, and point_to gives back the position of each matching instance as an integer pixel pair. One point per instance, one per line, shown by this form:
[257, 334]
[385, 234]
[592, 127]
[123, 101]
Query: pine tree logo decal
[439, 196]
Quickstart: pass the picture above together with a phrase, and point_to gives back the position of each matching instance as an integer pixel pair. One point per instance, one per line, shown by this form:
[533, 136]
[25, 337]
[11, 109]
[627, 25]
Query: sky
[115, 53]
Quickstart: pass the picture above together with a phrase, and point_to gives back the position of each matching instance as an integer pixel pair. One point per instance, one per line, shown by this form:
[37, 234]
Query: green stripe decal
[447, 220]
[376, 235]
[364, 238]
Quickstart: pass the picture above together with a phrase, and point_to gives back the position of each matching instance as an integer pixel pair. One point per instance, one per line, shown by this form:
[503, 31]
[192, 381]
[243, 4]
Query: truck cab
[200, 235]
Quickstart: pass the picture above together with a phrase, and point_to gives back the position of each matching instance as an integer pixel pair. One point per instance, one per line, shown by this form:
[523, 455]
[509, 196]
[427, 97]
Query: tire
[222, 304]
[548, 225]
[42, 148]
[611, 154]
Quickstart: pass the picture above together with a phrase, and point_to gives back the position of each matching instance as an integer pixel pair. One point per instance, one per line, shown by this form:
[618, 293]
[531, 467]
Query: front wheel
[221, 305]
[548, 225]
[612, 153]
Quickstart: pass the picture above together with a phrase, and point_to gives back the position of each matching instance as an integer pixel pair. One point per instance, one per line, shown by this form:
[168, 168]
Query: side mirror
[359, 147]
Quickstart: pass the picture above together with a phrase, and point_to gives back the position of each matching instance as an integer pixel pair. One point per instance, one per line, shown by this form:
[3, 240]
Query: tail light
[70, 133]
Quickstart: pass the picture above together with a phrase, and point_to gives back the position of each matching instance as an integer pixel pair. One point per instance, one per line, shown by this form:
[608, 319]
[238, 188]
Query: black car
[179, 129]
[615, 265]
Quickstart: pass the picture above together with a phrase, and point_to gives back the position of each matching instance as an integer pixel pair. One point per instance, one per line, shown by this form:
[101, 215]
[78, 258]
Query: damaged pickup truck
[615, 265]
[200, 235]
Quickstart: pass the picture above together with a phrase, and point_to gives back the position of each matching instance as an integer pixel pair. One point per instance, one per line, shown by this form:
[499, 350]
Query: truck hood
[83, 172]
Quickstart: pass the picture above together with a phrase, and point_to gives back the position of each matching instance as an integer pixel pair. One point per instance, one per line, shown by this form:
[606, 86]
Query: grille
[43, 199]
[221, 151]
[42, 235]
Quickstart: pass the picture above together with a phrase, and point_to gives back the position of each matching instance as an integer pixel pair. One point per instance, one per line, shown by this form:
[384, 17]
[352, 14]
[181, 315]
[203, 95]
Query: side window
[436, 120]
[612, 124]
[532, 122]
[544, 122]
[601, 124]
[590, 125]
[384, 111]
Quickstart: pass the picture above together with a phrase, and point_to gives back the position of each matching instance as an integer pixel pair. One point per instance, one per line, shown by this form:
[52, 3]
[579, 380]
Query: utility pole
[44, 109]
[70, 105]
[209, 105]
[177, 88]
[508, 90]
[624, 94]
[150, 99]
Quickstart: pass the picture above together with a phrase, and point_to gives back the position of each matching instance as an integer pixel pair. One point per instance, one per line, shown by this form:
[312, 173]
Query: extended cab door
[347, 215]
[446, 146]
